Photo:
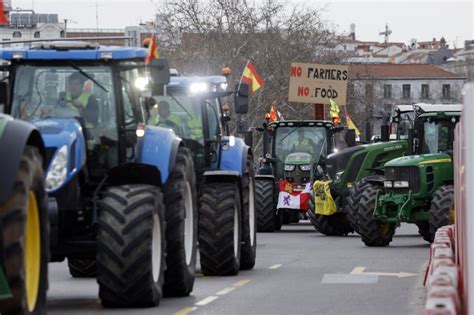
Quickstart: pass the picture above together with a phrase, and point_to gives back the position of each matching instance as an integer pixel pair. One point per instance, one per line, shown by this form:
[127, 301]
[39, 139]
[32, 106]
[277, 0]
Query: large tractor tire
[266, 216]
[424, 230]
[373, 232]
[181, 226]
[131, 246]
[331, 225]
[440, 212]
[25, 235]
[82, 268]
[249, 232]
[220, 229]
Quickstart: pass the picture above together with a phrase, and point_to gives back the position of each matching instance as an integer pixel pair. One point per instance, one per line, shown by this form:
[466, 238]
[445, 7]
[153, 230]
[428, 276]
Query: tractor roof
[68, 50]
[431, 108]
[305, 123]
[178, 81]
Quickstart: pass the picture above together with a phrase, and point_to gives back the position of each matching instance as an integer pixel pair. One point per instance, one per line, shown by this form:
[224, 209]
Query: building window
[16, 34]
[446, 91]
[425, 91]
[406, 90]
[37, 34]
[387, 91]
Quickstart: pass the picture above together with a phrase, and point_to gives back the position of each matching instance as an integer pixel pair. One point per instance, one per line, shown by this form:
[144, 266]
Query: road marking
[207, 300]
[275, 266]
[226, 290]
[241, 283]
[185, 311]
[341, 278]
[360, 271]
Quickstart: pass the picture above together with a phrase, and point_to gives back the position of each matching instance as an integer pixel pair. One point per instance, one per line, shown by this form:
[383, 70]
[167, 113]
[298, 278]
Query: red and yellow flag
[251, 77]
[152, 50]
[3, 17]
[350, 124]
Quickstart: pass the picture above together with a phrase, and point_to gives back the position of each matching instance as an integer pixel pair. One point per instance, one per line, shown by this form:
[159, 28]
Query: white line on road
[207, 300]
[241, 283]
[360, 271]
[275, 266]
[185, 311]
[226, 290]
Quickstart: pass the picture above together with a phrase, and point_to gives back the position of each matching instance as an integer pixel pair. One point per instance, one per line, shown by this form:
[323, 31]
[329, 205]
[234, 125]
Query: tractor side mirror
[160, 75]
[3, 96]
[248, 138]
[242, 99]
[411, 140]
[350, 137]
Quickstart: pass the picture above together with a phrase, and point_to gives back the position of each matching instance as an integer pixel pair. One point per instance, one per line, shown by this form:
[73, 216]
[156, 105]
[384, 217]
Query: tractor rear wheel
[424, 230]
[131, 246]
[249, 231]
[25, 235]
[82, 268]
[372, 232]
[440, 212]
[181, 226]
[219, 231]
[266, 216]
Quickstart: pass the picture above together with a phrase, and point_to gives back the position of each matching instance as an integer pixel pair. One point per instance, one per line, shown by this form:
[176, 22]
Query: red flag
[152, 50]
[3, 17]
[273, 113]
[251, 77]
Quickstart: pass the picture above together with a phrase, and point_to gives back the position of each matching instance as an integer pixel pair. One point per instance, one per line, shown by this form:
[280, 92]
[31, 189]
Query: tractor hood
[65, 149]
[298, 158]
[419, 160]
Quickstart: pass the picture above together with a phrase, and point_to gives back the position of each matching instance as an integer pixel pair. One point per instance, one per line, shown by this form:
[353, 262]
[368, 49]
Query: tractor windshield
[438, 136]
[66, 91]
[309, 139]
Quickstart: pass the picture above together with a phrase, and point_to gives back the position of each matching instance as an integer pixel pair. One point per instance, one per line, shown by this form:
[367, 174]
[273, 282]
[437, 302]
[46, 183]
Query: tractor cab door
[212, 132]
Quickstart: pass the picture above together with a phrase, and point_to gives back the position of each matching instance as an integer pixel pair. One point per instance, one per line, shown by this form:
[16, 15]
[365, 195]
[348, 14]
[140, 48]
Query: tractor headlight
[388, 184]
[400, 184]
[289, 168]
[305, 167]
[58, 170]
[199, 87]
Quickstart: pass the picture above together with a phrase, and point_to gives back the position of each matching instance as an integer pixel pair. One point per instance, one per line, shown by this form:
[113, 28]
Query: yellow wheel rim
[32, 252]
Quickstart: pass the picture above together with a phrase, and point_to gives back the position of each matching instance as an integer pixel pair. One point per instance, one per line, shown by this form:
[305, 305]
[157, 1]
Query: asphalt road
[298, 271]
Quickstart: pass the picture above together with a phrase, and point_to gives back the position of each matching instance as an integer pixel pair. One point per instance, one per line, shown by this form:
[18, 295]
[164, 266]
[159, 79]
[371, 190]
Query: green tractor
[24, 237]
[291, 149]
[340, 171]
[415, 189]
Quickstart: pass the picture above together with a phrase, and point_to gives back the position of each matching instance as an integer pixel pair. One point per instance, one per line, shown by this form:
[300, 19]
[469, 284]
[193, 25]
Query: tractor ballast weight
[109, 177]
[224, 169]
[413, 189]
[23, 273]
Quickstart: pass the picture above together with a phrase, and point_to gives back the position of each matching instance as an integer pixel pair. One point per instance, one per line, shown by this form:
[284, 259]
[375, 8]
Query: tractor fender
[16, 135]
[265, 177]
[233, 158]
[159, 148]
[133, 173]
[376, 179]
[59, 132]
[223, 176]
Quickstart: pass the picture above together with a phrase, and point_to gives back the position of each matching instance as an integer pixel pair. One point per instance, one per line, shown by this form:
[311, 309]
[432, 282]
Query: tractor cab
[198, 113]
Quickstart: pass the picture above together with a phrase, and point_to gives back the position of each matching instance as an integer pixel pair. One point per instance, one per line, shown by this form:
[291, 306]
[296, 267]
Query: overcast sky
[420, 19]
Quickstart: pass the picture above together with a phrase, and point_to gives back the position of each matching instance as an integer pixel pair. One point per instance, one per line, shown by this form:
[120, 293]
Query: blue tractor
[122, 203]
[197, 109]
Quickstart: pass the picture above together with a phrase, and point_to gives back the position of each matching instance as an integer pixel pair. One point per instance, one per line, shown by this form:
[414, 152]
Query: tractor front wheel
[181, 226]
[131, 246]
[331, 225]
[82, 268]
[372, 232]
[220, 229]
[24, 222]
[440, 212]
[249, 231]
[267, 219]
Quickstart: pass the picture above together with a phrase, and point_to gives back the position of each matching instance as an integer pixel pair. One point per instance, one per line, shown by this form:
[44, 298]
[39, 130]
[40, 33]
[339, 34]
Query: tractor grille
[410, 174]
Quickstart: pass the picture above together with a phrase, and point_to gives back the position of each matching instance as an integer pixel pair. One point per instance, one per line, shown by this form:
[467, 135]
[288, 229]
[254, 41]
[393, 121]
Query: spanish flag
[351, 125]
[273, 116]
[251, 77]
[3, 17]
[152, 50]
[334, 111]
